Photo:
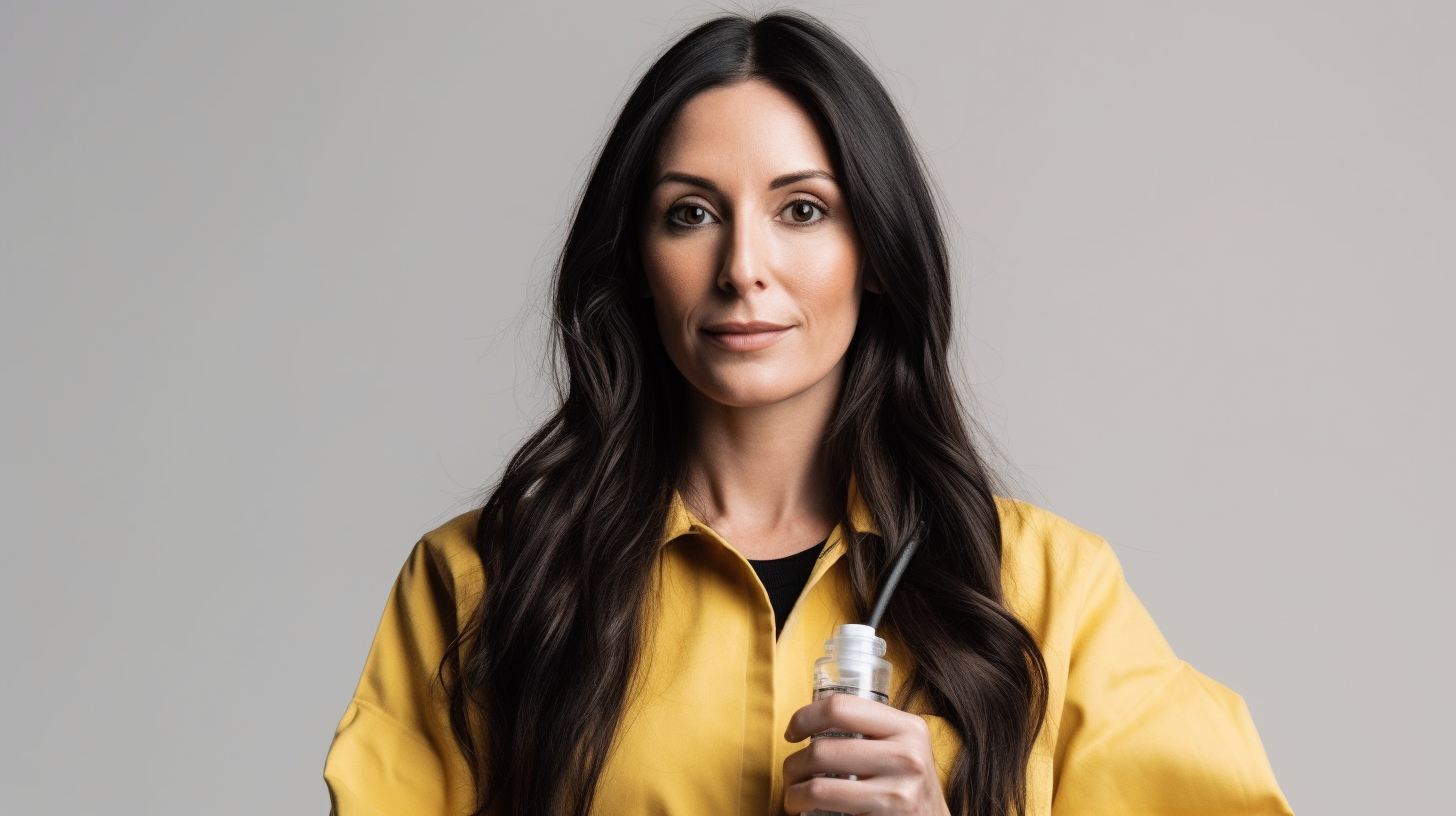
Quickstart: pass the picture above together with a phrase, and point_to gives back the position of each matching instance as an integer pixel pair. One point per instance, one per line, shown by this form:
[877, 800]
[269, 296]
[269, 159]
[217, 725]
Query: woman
[753, 309]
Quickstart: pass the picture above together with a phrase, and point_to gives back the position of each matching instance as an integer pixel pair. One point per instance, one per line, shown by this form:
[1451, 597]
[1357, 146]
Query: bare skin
[755, 273]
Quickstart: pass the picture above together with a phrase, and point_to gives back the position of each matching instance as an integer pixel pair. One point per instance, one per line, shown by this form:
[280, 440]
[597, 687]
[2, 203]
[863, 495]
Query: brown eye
[689, 215]
[804, 212]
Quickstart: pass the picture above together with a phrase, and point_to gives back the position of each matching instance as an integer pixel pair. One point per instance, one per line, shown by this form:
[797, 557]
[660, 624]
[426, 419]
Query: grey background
[271, 308]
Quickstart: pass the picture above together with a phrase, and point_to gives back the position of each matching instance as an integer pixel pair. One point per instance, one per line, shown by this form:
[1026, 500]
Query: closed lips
[746, 336]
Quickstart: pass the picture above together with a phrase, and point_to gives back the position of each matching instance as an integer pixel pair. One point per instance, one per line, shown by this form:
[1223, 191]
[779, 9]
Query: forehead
[749, 129]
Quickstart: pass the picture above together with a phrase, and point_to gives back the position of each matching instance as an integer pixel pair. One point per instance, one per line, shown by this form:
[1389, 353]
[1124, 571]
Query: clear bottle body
[853, 663]
[874, 684]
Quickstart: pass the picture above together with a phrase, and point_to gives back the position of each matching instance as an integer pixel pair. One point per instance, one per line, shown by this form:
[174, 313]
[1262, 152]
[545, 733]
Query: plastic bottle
[853, 663]
[854, 659]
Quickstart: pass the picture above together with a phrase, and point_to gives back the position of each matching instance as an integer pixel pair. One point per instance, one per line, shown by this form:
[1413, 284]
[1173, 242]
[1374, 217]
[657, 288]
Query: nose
[743, 266]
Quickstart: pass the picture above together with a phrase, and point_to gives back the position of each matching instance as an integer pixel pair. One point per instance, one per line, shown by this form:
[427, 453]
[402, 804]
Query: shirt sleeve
[393, 753]
[1142, 732]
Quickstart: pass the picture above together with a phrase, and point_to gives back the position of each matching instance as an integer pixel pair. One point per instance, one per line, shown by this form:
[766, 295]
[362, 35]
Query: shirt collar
[681, 520]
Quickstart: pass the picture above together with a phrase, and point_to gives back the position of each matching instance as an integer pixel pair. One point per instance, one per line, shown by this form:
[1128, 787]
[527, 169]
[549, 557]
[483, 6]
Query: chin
[753, 392]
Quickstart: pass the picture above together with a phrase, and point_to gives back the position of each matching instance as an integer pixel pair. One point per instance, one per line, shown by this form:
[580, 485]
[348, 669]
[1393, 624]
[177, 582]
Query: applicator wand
[893, 579]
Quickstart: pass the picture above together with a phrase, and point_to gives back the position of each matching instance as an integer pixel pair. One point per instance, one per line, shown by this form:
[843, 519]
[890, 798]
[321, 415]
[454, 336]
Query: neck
[759, 476]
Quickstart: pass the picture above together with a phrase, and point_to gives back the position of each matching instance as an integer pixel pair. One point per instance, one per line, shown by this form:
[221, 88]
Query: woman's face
[751, 261]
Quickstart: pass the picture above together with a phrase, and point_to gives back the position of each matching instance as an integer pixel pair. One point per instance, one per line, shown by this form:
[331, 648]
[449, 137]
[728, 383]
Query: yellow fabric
[1130, 729]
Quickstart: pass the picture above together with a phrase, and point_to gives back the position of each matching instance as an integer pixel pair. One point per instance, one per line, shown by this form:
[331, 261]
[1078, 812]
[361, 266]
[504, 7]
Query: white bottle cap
[856, 652]
[856, 637]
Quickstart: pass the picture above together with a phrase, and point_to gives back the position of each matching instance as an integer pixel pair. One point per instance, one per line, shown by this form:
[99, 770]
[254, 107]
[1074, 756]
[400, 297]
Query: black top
[784, 578]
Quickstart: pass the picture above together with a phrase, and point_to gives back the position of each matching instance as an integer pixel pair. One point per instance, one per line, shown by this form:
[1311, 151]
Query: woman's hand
[893, 762]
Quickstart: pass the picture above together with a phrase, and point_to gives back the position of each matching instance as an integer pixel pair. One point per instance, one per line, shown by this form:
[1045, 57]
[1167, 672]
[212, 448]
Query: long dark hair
[569, 537]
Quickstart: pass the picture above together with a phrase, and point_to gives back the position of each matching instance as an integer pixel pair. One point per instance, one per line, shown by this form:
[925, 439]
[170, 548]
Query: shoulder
[454, 541]
[1049, 565]
[447, 558]
[1037, 544]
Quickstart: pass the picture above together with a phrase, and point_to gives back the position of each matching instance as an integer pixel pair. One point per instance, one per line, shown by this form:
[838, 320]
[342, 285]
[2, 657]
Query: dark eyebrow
[696, 181]
[781, 181]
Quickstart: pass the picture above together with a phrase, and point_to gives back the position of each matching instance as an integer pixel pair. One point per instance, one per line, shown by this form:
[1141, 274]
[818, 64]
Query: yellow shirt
[1130, 728]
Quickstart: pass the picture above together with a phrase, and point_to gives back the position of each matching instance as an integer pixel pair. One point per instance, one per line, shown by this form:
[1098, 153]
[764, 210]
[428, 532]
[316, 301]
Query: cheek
[676, 280]
[828, 287]
[667, 274]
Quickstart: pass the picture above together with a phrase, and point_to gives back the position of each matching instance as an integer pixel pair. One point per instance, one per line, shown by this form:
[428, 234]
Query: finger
[838, 796]
[856, 715]
[864, 758]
